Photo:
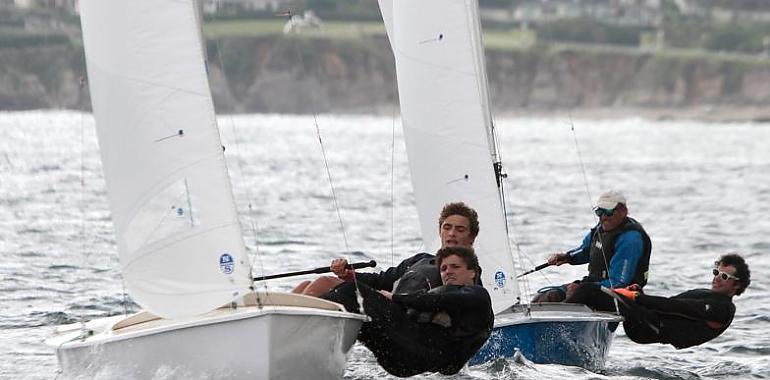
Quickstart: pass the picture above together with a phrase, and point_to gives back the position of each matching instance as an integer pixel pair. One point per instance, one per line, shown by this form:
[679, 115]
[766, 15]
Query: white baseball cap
[610, 199]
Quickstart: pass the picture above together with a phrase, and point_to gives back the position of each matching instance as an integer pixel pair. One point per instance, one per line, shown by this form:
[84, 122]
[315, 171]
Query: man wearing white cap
[617, 251]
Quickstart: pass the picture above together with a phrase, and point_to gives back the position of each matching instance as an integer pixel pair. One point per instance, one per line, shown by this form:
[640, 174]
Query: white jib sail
[447, 126]
[178, 235]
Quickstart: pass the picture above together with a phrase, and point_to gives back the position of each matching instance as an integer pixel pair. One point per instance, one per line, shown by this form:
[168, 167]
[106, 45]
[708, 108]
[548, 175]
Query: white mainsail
[447, 126]
[178, 235]
[179, 240]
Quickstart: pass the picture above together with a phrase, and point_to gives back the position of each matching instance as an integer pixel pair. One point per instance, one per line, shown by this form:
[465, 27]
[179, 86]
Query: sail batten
[178, 235]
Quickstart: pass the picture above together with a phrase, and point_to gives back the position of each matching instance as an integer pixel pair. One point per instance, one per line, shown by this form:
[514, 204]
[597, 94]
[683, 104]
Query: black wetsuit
[414, 274]
[405, 347]
[402, 335]
[684, 320]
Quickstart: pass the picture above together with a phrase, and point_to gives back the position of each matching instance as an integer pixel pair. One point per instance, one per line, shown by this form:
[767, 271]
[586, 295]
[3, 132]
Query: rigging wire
[583, 171]
[393, 177]
[494, 144]
[501, 176]
[526, 290]
[86, 246]
[252, 219]
[325, 159]
[251, 215]
[580, 159]
[497, 161]
[590, 202]
[359, 296]
[330, 179]
[314, 112]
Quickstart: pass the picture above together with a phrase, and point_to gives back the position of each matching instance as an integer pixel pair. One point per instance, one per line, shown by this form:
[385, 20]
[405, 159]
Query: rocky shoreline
[264, 75]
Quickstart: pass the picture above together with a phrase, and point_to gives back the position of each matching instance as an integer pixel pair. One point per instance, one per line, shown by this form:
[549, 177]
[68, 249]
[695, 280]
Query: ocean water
[700, 190]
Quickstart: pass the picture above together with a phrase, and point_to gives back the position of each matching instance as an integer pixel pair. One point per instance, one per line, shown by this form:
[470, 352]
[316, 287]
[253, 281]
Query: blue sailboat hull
[551, 333]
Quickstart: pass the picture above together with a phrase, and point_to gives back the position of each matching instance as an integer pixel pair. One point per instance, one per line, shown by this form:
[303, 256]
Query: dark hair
[460, 208]
[741, 269]
[466, 254]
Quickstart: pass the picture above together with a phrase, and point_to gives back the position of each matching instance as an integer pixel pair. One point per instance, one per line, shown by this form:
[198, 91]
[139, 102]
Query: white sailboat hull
[177, 229]
[252, 342]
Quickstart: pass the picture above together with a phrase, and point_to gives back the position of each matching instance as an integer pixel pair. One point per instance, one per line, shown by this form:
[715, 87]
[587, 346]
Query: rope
[590, 202]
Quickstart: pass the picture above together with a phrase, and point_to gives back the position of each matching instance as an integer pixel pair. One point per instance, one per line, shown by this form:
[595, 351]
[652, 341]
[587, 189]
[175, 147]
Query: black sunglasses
[604, 211]
[723, 275]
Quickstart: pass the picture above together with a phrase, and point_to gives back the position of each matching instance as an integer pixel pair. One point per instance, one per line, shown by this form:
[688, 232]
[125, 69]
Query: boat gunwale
[523, 315]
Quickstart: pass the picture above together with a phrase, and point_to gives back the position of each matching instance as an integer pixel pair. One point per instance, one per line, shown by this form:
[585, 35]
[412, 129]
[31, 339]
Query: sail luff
[474, 30]
[386, 10]
[178, 234]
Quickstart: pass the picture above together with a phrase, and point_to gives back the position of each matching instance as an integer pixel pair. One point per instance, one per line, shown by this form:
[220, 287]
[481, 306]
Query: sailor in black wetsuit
[458, 226]
[435, 330]
[690, 318]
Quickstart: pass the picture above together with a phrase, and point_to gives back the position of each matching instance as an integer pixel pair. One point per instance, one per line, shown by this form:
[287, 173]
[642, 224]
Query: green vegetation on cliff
[348, 67]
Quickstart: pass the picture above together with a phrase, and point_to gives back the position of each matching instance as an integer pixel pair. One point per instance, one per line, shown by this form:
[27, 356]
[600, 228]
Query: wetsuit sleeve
[702, 306]
[581, 254]
[385, 279]
[628, 249]
[447, 298]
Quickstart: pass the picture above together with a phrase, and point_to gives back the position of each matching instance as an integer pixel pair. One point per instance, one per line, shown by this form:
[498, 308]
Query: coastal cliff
[278, 74]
